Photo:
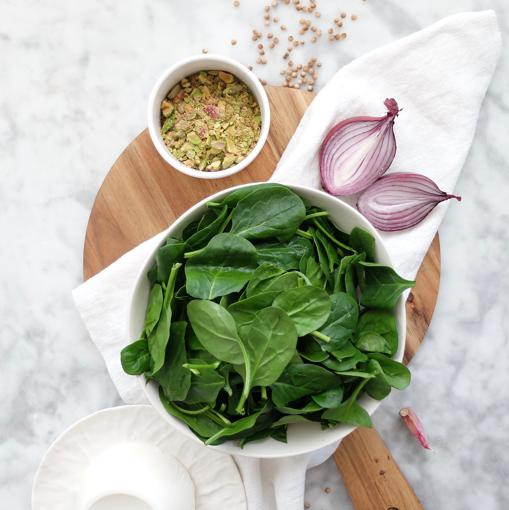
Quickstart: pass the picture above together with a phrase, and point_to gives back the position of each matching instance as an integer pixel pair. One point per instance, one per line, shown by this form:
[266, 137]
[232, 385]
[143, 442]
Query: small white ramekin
[185, 68]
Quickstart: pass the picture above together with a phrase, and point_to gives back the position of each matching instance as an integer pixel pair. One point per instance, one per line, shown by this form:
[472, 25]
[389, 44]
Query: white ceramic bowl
[185, 68]
[302, 437]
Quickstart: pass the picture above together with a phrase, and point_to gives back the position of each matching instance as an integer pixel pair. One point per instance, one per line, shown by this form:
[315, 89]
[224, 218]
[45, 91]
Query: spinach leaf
[167, 255]
[205, 234]
[382, 286]
[288, 419]
[286, 256]
[313, 272]
[383, 323]
[189, 230]
[135, 358]
[372, 342]
[308, 408]
[265, 213]
[300, 380]
[395, 373]
[270, 344]
[205, 386]
[154, 307]
[342, 320]
[216, 330]
[240, 425]
[158, 338]
[329, 398]
[362, 241]
[172, 377]
[308, 307]
[349, 411]
[311, 350]
[278, 284]
[201, 424]
[237, 195]
[262, 273]
[346, 358]
[378, 388]
[329, 250]
[245, 310]
[224, 266]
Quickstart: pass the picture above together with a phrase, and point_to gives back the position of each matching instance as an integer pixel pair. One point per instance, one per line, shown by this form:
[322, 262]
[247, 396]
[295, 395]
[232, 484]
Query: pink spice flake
[212, 110]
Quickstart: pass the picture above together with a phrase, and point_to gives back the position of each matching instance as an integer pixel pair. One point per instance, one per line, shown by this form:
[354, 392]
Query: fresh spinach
[277, 318]
[382, 286]
[135, 358]
[224, 266]
[308, 307]
[172, 377]
[261, 215]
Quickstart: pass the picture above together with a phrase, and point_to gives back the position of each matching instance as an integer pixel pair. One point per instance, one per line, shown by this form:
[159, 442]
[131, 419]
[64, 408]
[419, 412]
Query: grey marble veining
[73, 89]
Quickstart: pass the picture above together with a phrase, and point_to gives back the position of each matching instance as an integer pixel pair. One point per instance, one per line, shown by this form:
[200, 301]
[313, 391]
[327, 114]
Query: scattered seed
[327, 490]
[266, 8]
[205, 50]
[250, 68]
[310, 88]
[283, 27]
[307, 505]
[236, 3]
[343, 14]
[260, 46]
[330, 31]
[263, 82]
[354, 17]
[270, 35]
[233, 42]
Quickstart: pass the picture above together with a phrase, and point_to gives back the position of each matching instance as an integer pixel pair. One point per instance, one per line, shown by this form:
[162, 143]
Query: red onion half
[357, 151]
[400, 200]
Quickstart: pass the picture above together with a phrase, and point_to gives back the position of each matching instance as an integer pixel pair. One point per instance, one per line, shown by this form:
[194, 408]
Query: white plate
[60, 477]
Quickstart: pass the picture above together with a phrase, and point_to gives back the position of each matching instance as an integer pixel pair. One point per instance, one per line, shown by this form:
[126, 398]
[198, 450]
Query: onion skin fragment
[414, 425]
[400, 200]
[359, 150]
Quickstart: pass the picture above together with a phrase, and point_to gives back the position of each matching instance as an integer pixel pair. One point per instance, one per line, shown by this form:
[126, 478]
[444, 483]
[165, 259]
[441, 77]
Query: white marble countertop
[73, 90]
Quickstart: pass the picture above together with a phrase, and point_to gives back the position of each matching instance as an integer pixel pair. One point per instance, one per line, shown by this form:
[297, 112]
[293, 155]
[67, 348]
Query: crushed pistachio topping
[210, 120]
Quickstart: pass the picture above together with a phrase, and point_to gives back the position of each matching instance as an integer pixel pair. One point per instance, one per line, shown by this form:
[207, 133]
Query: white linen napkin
[439, 76]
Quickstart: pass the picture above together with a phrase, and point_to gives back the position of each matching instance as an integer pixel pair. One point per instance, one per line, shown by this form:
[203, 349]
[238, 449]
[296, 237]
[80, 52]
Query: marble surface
[73, 91]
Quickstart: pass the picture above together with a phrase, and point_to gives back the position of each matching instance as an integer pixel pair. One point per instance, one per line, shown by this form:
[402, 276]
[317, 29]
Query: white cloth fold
[439, 76]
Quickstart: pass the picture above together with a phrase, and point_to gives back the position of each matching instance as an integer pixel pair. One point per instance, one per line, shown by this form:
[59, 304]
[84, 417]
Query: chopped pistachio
[194, 138]
[226, 77]
[211, 122]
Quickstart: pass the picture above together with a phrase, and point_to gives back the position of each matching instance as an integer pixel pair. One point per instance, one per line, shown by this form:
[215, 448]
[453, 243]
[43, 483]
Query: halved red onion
[400, 200]
[357, 151]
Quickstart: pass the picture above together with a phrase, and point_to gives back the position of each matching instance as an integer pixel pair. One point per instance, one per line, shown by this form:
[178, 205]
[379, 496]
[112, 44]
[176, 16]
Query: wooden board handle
[372, 477]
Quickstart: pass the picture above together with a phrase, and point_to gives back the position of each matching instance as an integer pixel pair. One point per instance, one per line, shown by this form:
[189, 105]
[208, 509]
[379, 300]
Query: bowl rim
[254, 86]
[229, 447]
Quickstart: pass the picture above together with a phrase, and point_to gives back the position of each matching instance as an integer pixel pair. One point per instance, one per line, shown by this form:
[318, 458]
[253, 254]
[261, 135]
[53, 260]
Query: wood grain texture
[141, 195]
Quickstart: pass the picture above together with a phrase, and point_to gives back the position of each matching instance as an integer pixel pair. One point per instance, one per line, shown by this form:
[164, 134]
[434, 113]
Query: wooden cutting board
[141, 195]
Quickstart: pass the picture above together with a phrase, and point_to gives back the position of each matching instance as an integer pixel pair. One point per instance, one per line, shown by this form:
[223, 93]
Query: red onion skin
[360, 184]
[409, 186]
